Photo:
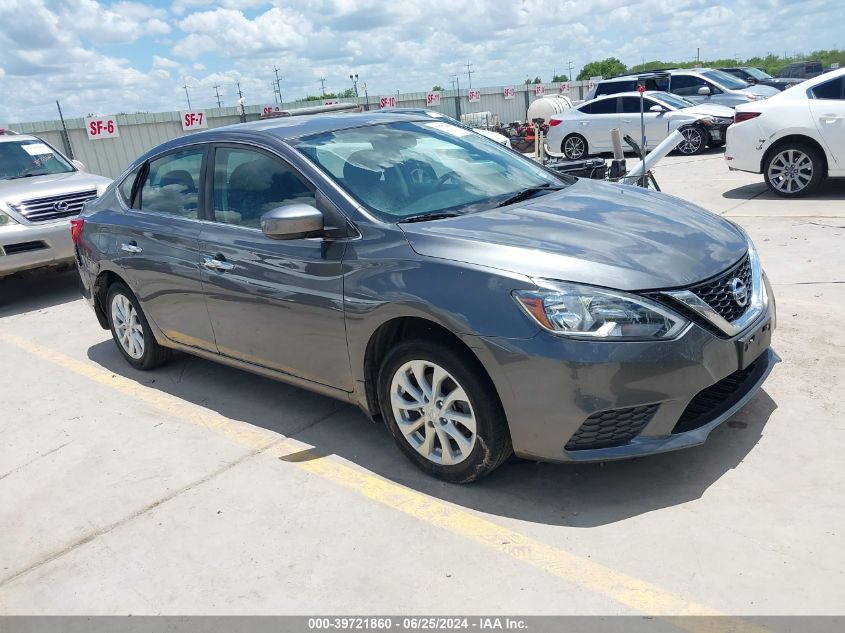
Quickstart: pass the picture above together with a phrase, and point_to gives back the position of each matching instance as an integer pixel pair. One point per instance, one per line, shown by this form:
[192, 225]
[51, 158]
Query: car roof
[656, 73]
[6, 138]
[287, 128]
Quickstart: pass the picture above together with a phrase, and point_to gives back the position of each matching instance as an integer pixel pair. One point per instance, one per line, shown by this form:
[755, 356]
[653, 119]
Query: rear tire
[794, 170]
[574, 147]
[443, 411]
[131, 330]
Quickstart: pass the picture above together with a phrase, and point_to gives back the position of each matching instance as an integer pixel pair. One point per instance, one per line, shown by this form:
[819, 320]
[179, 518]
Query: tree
[605, 68]
[536, 80]
[437, 88]
[560, 79]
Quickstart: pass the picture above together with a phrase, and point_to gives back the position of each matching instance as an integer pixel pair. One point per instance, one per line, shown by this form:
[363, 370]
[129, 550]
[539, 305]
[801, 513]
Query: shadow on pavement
[830, 189]
[28, 292]
[583, 495]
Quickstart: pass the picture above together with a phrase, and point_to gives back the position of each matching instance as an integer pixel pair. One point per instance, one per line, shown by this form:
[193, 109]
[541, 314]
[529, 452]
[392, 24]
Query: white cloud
[72, 48]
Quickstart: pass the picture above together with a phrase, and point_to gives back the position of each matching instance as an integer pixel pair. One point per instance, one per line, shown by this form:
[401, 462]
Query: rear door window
[687, 85]
[615, 87]
[604, 106]
[172, 184]
[830, 89]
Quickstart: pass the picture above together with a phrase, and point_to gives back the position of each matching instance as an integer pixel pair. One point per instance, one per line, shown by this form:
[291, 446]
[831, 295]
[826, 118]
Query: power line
[217, 93]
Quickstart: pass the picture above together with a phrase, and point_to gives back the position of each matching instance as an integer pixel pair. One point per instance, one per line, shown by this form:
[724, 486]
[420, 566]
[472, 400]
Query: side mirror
[704, 91]
[78, 164]
[657, 108]
[292, 222]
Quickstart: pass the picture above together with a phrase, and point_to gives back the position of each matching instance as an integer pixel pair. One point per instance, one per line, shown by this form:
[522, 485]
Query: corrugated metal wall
[143, 131]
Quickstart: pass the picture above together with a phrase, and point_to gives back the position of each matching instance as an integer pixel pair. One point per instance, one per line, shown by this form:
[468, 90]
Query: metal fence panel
[142, 131]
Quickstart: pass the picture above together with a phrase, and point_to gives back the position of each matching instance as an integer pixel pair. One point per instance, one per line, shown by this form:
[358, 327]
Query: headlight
[751, 97]
[594, 313]
[6, 220]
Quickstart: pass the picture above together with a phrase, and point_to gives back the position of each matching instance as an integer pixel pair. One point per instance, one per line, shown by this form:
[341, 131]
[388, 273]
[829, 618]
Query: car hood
[602, 234]
[14, 191]
[760, 90]
[710, 109]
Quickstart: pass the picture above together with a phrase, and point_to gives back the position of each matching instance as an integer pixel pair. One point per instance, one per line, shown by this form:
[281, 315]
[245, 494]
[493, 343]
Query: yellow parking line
[628, 590]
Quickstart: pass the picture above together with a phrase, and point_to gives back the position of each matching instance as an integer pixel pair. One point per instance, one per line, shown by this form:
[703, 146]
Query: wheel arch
[802, 139]
[402, 328]
[104, 280]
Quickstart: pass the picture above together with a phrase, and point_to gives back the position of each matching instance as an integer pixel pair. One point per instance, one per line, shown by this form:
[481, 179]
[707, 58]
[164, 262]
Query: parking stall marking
[623, 588]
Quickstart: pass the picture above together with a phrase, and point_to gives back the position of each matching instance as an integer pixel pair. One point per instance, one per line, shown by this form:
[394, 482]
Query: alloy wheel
[790, 171]
[692, 141]
[127, 326]
[433, 412]
[573, 147]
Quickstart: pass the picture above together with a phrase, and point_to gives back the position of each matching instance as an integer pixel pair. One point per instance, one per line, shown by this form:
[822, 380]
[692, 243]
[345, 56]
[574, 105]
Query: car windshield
[725, 80]
[415, 169]
[672, 100]
[757, 73]
[21, 159]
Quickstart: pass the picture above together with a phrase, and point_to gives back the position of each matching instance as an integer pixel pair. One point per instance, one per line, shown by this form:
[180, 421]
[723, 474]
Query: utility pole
[187, 96]
[278, 82]
[470, 73]
[698, 56]
[570, 71]
[323, 86]
[65, 137]
[241, 102]
[456, 82]
[354, 79]
[217, 93]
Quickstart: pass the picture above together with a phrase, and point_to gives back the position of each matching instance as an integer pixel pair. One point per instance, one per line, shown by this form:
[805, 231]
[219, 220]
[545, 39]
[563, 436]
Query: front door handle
[830, 118]
[212, 263]
[131, 248]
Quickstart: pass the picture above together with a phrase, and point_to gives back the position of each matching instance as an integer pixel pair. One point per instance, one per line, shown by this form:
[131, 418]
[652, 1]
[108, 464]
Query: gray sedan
[475, 302]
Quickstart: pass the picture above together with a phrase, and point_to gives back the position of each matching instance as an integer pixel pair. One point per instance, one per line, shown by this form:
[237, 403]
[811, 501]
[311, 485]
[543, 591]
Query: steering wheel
[449, 175]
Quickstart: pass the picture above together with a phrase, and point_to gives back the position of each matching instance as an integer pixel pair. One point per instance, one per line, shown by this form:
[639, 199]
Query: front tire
[694, 141]
[131, 330]
[443, 411]
[793, 171]
[574, 147]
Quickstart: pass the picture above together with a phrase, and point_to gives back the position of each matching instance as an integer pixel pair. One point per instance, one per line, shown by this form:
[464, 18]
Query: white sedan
[585, 130]
[795, 139]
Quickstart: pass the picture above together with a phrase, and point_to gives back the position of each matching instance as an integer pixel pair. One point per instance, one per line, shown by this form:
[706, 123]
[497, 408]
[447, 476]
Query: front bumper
[28, 246]
[551, 386]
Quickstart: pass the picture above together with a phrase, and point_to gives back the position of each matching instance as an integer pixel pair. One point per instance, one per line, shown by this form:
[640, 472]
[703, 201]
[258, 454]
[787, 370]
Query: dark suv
[802, 70]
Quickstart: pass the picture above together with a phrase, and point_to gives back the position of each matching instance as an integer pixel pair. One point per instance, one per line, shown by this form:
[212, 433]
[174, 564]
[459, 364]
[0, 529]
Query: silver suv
[699, 85]
[40, 189]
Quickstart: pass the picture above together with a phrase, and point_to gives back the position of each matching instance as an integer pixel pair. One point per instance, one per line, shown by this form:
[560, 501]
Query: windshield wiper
[24, 176]
[425, 217]
[527, 193]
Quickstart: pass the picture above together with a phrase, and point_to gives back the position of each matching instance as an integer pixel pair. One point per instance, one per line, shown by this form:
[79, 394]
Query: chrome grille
[717, 292]
[63, 205]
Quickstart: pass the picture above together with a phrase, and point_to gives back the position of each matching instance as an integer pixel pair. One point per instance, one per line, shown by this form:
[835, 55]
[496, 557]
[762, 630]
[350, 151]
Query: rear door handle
[131, 248]
[212, 263]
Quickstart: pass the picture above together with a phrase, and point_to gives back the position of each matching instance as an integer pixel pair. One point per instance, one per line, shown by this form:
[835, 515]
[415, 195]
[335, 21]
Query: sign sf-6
[99, 127]
[194, 120]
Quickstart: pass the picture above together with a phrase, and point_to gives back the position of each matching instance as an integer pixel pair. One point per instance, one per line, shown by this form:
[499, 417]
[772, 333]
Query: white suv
[40, 190]
[795, 139]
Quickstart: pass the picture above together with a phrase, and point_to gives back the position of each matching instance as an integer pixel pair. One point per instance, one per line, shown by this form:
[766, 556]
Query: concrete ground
[199, 489]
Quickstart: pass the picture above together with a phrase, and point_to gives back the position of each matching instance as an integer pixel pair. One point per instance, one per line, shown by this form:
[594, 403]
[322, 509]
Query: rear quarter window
[615, 87]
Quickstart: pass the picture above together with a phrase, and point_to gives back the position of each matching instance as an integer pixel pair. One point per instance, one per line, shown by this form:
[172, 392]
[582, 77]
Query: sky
[105, 57]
